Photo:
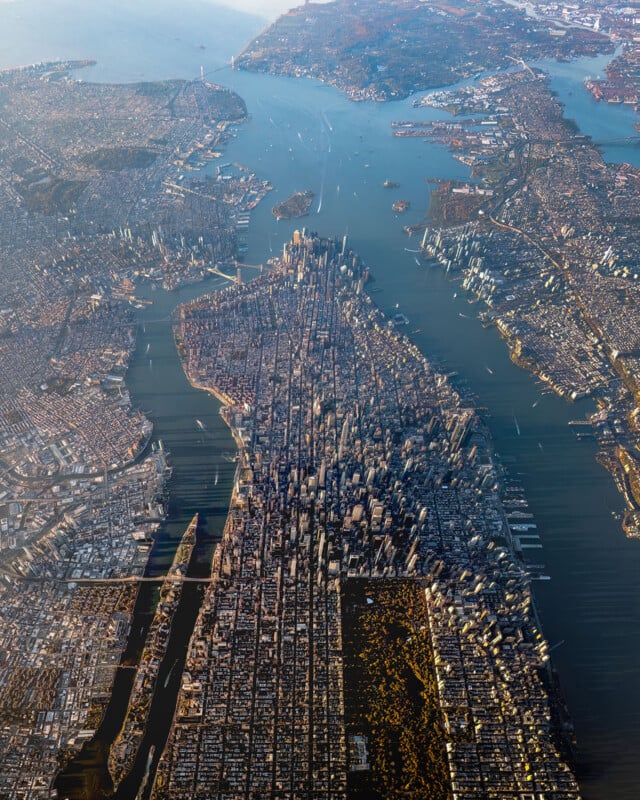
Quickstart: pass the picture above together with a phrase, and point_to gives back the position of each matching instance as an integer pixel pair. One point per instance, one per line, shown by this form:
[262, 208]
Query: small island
[298, 205]
[401, 205]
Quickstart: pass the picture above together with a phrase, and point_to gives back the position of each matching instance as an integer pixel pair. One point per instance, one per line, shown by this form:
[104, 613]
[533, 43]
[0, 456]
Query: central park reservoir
[305, 136]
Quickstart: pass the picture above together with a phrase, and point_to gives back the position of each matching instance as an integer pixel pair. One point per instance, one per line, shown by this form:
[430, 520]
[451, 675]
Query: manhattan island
[363, 481]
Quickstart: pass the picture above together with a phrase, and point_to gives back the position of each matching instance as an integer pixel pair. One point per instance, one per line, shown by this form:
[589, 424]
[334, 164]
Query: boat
[168, 678]
[201, 425]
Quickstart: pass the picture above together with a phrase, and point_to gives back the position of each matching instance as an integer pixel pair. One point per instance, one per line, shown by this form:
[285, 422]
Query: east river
[302, 135]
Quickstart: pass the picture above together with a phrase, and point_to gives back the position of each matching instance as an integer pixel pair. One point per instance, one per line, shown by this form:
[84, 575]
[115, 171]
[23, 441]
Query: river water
[306, 136]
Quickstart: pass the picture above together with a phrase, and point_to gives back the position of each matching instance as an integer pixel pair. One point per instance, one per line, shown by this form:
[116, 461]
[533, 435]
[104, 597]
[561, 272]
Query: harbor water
[305, 136]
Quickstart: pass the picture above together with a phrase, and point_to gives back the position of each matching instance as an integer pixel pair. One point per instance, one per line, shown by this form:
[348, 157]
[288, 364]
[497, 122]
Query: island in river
[400, 206]
[297, 205]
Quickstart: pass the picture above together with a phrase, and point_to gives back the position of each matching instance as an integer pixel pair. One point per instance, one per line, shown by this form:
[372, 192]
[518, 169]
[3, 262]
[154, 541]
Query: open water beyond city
[300, 136]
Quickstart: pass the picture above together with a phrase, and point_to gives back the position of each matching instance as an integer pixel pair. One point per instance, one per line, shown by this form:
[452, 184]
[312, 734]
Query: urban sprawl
[368, 623]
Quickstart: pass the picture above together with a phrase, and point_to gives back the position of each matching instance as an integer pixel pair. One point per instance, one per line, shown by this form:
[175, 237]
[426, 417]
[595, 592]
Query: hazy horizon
[180, 36]
[33, 31]
[267, 9]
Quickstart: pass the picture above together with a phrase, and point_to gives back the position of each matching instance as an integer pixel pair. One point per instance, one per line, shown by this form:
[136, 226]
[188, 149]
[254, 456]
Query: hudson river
[305, 136]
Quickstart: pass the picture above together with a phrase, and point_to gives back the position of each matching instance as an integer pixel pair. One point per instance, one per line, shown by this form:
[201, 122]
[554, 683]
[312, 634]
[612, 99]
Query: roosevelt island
[367, 629]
